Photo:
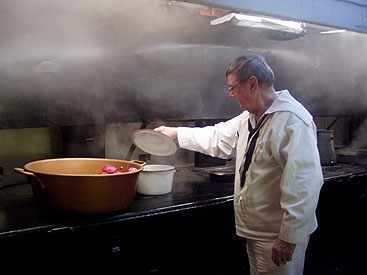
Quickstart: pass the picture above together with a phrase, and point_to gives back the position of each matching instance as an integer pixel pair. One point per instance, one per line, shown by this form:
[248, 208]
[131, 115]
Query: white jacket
[284, 178]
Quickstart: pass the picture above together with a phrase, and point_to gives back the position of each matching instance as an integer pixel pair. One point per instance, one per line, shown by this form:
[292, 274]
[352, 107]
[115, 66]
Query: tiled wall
[20, 146]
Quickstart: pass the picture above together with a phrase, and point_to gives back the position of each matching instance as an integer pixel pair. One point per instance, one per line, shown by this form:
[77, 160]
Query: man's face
[240, 91]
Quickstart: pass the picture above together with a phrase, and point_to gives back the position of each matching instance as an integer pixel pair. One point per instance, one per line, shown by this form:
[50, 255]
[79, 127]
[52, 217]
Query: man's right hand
[282, 252]
[168, 131]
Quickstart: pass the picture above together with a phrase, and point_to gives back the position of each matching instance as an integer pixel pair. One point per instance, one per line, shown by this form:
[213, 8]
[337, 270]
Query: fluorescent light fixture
[261, 22]
[333, 31]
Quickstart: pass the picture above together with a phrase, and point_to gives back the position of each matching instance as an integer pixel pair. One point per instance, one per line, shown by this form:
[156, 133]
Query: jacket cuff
[295, 236]
[183, 137]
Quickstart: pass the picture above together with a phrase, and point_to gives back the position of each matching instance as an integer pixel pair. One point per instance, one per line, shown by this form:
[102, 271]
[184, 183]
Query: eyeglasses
[231, 89]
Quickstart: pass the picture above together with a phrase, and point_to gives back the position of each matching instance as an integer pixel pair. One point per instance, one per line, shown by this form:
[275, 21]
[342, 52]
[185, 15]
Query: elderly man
[278, 171]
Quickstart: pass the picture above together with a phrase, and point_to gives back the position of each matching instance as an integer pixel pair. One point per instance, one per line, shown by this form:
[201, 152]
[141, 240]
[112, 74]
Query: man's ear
[253, 82]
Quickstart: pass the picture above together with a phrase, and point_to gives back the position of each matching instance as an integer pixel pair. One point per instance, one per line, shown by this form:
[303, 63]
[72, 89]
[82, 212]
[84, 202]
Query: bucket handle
[141, 162]
[24, 172]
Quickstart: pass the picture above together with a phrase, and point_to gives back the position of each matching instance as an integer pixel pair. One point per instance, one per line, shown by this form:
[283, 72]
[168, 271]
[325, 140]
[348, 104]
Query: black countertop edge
[345, 176]
[98, 220]
[156, 211]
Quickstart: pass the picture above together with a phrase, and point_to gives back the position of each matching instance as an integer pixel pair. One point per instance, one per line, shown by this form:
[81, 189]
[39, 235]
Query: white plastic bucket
[156, 179]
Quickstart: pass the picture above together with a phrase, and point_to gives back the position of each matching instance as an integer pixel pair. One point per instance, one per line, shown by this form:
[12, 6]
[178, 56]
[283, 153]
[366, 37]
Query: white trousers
[259, 254]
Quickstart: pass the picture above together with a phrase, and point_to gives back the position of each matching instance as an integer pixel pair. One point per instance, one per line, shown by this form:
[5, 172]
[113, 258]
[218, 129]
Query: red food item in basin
[109, 169]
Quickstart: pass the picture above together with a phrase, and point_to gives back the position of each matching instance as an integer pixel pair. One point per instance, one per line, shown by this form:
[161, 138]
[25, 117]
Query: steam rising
[359, 140]
[97, 62]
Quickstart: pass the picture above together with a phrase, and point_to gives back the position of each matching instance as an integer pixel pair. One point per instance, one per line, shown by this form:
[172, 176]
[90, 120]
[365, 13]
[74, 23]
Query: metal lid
[153, 142]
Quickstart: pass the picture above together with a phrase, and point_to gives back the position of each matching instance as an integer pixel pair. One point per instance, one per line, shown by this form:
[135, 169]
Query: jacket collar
[287, 103]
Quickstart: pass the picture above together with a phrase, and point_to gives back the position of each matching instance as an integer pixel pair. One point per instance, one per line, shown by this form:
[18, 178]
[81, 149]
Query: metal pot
[325, 144]
[156, 179]
[74, 184]
[222, 174]
[352, 156]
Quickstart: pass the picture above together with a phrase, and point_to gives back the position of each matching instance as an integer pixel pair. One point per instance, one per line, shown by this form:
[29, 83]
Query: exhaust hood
[340, 14]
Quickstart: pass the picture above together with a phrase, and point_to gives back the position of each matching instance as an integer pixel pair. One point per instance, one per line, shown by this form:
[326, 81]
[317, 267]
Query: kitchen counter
[192, 188]
[192, 227]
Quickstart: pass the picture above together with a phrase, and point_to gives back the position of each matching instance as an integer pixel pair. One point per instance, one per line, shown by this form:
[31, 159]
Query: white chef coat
[284, 178]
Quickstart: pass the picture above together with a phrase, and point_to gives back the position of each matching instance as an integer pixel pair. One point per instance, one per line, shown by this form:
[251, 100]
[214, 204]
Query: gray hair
[249, 65]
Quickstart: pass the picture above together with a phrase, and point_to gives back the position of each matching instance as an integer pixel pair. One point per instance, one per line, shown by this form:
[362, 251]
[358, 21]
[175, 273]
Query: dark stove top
[192, 188]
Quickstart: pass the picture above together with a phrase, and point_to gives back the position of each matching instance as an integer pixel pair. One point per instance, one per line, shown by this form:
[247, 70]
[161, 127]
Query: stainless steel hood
[96, 62]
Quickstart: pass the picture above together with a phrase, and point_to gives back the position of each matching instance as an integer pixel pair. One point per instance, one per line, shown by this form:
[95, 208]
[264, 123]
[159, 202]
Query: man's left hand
[282, 252]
